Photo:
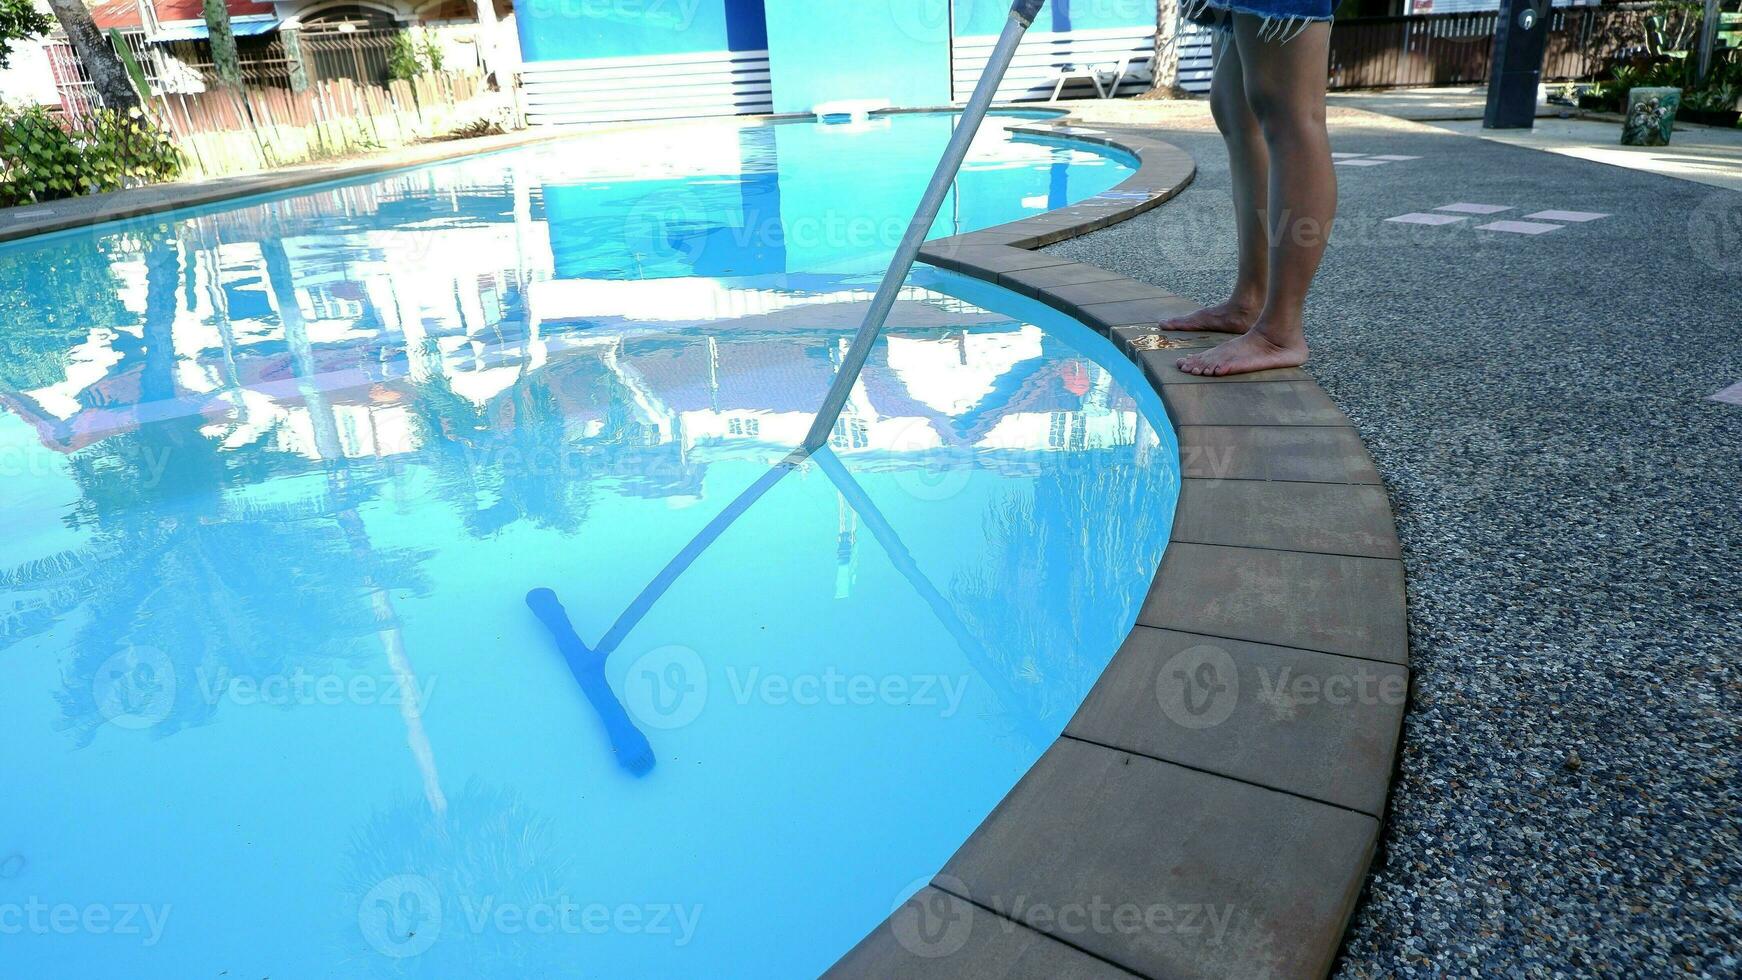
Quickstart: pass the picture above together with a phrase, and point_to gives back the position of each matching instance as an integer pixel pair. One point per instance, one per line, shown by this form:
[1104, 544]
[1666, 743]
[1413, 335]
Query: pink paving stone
[1567, 215]
[1418, 218]
[1464, 207]
[1520, 227]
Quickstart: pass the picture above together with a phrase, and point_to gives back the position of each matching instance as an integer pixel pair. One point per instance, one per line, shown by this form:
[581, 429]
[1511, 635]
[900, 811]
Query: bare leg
[1250, 164]
[1285, 86]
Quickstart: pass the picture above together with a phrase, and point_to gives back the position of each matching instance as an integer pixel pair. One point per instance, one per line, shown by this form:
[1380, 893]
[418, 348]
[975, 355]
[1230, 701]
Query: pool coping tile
[1343, 604]
[938, 935]
[1243, 881]
[1331, 722]
[1251, 403]
[1028, 282]
[1286, 453]
[1324, 518]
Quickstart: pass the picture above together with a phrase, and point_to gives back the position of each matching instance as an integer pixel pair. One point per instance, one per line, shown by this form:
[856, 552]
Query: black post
[1520, 40]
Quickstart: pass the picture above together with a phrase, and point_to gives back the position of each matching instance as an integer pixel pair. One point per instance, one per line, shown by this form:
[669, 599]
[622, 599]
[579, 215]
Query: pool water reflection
[280, 685]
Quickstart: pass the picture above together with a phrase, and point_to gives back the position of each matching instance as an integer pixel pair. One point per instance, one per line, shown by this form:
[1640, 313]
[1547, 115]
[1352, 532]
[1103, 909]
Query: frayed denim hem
[1218, 15]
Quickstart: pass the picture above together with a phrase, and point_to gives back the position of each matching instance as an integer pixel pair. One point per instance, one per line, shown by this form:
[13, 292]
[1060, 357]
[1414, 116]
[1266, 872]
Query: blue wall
[978, 17]
[558, 30]
[877, 49]
[819, 50]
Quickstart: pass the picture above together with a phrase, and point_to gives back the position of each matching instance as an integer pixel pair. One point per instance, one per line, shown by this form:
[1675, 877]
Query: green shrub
[1715, 98]
[432, 53]
[41, 159]
[127, 150]
[19, 21]
[1668, 74]
[413, 54]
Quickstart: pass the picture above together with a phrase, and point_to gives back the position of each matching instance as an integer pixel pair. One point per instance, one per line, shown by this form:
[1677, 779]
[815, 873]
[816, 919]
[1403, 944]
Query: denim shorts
[1280, 20]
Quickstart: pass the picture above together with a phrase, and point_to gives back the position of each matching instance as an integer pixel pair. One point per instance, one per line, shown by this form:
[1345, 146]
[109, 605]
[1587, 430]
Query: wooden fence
[225, 132]
[1454, 49]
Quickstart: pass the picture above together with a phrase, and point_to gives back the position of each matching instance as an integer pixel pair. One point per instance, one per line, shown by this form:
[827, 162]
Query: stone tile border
[1214, 805]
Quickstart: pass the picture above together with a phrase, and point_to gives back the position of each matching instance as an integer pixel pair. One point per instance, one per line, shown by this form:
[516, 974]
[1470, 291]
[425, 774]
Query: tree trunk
[225, 61]
[295, 63]
[102, 65]
[1166, 65]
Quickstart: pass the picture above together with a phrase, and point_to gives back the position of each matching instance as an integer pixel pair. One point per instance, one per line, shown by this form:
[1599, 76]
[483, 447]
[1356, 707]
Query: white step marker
[1520, 227]
[1567, 215]
[1464, 207]
[1419, 218]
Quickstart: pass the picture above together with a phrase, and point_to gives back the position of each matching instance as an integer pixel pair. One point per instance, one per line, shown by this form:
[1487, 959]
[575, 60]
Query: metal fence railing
[1454, 49]
[360, 55]
[330, 52]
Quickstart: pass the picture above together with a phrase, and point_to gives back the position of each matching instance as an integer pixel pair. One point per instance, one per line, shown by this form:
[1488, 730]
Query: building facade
[651, 59]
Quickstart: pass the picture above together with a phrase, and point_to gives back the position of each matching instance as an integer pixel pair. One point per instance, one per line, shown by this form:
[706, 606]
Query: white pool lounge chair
[1107, 77]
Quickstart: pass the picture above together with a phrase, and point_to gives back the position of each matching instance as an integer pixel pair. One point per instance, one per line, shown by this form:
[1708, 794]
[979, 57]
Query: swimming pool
[284, 477]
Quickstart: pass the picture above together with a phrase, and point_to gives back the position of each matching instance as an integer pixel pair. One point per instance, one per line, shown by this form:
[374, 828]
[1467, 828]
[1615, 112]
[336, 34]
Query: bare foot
[1251, 351]
[1229, 317]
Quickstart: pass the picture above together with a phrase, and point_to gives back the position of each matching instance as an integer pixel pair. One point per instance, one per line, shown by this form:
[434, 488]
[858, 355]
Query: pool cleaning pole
[1022, 14]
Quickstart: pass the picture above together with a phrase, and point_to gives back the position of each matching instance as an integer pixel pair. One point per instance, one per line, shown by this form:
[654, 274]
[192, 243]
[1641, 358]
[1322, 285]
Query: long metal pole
[1022, 14]
[1708, 38]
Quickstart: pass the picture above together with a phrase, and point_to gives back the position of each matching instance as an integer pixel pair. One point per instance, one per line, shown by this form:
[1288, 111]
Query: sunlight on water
[282, 688]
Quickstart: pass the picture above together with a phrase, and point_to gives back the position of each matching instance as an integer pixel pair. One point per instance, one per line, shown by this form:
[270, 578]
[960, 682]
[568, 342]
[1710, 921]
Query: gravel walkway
[1570, 504]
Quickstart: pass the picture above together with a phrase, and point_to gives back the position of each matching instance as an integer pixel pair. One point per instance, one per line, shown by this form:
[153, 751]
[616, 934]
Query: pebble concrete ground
[1569, 497]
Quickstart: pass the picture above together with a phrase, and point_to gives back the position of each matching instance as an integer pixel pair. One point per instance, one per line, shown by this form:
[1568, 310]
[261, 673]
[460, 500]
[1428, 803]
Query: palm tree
[225, 61]
[490, 846]
[1053, 598]
[1167, 30]
[168, 574]
[101, 62]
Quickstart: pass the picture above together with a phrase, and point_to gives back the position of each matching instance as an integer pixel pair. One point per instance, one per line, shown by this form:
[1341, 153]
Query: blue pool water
[280, 478]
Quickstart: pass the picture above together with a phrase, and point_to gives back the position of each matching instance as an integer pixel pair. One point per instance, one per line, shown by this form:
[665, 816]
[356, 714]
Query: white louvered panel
[1034, 71]
[1195, 64]
[720, 83]
[666, 85]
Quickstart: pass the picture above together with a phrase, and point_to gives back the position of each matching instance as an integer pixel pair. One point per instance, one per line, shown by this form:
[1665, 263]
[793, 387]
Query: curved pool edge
[76, 213]
[1172, 830]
